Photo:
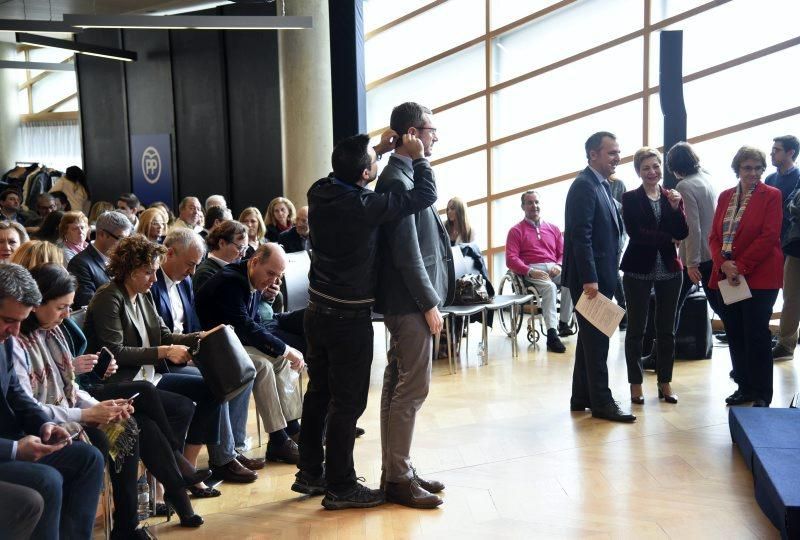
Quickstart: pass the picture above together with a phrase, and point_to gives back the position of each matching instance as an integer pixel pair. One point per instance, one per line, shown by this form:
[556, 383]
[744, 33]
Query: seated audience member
[21, 508]
[256, 230]
[48, 230]
[35, 252]
[167, 210]
[278, 217]
[10, 201]
[297, 238]
[35, 452]
[153, 224]
[12, 236]
[73, 230]
[73, 184]
[191, 214]
[128, 204]
[98, 208]
[534, 249]
[62, 201]
[89, 266]
[227, 243]
[122, 317]
[45, 204]
[745, 242]
[457, 223]
[214, 216]
[216, 200]
[654, 219]
[48, 374]
[232, 297]
[174, 302]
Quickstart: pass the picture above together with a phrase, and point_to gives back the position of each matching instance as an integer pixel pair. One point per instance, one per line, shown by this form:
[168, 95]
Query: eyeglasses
[112, 235]
[432, 129]
[241, 248]
[749, 169]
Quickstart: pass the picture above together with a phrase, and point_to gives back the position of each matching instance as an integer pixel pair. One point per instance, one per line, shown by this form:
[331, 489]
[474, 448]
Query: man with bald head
[232, 296]
[297, 238]
[191, 214]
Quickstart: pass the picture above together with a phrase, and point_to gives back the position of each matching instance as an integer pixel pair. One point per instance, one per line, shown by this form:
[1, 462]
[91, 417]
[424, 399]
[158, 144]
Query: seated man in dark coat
[276, 347]
[297, 238]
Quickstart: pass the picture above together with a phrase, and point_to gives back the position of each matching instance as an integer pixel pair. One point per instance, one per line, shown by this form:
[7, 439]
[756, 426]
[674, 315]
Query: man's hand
[538, 274]
[295, 358]
[413, 146]
[554, 271]
[51, 434]
[271, 292]
[434, 319]
[84, 363]
[694, 274]
[590, 289]
[31, 448]
[177, 354]
[674, 198]
[387, 142]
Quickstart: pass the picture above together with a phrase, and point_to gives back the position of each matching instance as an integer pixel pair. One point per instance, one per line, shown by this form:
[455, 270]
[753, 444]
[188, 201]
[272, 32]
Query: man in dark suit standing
[591, 249]
[415, 278]
[89, 266]
[34, 452]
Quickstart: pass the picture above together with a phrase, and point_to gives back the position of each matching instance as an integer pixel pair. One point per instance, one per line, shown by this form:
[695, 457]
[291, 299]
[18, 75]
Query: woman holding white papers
[745, 245]
[654, 219]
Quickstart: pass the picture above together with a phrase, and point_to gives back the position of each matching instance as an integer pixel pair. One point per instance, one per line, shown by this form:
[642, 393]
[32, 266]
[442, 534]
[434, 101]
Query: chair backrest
[295, 280]
[79, 317]
[462, 265]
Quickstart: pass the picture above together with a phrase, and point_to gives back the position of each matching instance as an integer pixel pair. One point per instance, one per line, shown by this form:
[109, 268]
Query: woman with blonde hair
[167, 210]
[98, 208]
[153, 224]
[279, 217]
[73, 232]
[35, 252]
[457, 223]
[256, 229]
[12, 235]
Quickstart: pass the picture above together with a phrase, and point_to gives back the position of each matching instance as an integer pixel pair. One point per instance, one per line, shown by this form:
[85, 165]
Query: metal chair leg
[464, 322]
[485, 337]
[450, 361]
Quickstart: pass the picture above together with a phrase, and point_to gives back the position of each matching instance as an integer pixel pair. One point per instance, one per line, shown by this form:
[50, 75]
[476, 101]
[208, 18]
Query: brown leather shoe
[411, 494]
[236, 472]
[286, 452]
[253, 464]
[432, 486]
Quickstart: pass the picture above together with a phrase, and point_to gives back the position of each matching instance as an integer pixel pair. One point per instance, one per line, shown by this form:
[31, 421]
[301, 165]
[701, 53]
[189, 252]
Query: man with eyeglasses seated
[89, 266]
[45, 205]
[174, 300]
[227, 243]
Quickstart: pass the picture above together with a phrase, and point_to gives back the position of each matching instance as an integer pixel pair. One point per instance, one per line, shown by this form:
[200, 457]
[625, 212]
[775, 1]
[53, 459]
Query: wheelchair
[534, 310]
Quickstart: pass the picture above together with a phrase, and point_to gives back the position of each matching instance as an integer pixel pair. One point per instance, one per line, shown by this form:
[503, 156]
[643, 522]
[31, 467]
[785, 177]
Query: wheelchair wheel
[506, 319]
[533, 336]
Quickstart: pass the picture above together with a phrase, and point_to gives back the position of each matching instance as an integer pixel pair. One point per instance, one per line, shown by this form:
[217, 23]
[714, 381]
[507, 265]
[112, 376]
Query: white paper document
[601, 312]
[731, 294]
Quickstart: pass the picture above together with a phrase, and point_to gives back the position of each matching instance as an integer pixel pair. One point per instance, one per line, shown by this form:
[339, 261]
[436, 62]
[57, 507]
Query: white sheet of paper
[731, 294]
[601, 312]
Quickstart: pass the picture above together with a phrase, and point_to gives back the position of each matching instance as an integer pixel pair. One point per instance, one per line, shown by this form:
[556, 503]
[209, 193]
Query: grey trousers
[405, 386]
[548, 290]
[20, 510]
[276, 390]
[790, 313]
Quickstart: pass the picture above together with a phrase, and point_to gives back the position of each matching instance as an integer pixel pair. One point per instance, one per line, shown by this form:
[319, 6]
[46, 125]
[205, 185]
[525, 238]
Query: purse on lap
[226, 367]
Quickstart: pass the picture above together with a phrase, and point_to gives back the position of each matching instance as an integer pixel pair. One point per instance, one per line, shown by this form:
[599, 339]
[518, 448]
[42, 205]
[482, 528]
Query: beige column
[307, 119]
[9, 115]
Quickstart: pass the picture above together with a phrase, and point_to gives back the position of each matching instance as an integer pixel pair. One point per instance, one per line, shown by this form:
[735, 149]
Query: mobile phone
[72, 437]
[103, 360]
[134, 396]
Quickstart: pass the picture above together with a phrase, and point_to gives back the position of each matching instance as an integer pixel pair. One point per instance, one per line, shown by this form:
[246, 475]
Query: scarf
[733, 215]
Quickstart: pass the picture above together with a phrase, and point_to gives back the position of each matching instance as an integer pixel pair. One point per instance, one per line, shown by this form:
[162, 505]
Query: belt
[339, 313]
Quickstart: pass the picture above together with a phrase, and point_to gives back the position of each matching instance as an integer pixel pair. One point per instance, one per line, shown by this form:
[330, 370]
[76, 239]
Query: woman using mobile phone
[48, 374]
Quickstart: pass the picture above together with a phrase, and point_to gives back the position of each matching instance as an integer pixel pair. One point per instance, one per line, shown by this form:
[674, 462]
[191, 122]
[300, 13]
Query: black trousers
[637, 294]
[750, 341]
[204, 428]
[289, 328]
[163, 418]
[123, 484]
[590, 374]
[338, 357]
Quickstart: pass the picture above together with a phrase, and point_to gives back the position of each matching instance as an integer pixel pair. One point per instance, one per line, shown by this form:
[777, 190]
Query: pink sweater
[524, 248]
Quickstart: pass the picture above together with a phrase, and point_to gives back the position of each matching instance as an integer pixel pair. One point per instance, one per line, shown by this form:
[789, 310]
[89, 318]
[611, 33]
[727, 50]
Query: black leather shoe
[613, 413]
[411, 494]
[432, 486]
[738, 398]
[760, 403]
[554, 343]
[287, 452]
[564, 329]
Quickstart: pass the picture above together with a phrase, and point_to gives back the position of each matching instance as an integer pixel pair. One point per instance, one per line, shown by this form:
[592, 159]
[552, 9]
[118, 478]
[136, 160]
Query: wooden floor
[518, 464]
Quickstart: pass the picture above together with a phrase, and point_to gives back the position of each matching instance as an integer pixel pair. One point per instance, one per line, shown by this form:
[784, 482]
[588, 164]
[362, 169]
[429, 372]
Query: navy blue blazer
[20, 414]
[592, 234]
[89, 269]
[161, 298]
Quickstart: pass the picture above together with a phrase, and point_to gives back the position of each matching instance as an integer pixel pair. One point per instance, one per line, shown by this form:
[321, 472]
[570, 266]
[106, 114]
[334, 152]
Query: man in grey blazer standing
[415, 278]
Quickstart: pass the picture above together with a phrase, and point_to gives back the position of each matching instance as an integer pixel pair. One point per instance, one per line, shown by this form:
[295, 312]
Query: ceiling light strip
[44, 66]
[190, 22]
[80, 48]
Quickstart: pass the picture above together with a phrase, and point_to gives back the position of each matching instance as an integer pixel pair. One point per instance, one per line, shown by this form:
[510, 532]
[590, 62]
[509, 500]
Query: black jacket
[89, 269]
[344, 222]
[292, 242]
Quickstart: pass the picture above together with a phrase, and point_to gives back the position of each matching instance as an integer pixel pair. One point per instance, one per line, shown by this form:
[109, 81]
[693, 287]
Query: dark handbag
[226, 367]
[470, 290]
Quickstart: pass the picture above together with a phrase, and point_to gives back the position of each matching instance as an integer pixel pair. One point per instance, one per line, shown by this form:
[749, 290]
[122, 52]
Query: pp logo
[151, 165]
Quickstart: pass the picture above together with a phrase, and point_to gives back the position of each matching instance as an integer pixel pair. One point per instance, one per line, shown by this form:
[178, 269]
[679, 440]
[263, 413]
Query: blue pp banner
[151, 164]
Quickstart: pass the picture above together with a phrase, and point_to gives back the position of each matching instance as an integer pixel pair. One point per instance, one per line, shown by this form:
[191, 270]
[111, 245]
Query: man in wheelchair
[533, 251]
